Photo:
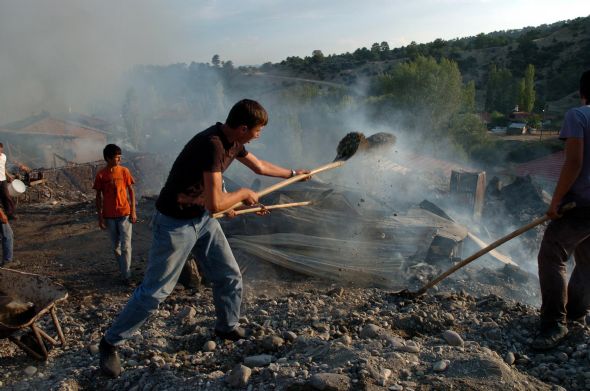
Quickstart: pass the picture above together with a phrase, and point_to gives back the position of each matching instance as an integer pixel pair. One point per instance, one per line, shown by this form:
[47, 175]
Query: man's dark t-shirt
[208, 151]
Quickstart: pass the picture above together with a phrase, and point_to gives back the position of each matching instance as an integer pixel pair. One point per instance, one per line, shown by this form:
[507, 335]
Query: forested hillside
[559, 52]
[443, 93]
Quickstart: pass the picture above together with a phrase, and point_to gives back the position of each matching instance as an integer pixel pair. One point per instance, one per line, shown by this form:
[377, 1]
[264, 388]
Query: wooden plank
[494, 253]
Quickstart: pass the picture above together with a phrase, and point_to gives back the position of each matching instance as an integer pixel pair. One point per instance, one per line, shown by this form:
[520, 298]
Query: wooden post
[468, 188]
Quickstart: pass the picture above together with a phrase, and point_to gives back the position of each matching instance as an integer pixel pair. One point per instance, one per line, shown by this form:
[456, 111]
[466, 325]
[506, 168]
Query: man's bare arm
[101, 222]
[262, 167]
[99, 202]
[133, 214]
[3, 217]
[574, 157]
[216, 200]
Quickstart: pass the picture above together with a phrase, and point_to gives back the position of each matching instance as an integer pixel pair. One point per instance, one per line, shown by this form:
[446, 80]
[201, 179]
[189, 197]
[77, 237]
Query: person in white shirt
[5, 179]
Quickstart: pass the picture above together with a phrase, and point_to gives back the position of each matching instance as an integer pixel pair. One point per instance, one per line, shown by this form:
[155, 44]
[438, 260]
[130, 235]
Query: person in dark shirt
[182, 223]
[567, 235]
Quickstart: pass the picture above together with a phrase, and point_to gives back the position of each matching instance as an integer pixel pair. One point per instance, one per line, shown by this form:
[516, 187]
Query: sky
[254, 32]
[59, 50]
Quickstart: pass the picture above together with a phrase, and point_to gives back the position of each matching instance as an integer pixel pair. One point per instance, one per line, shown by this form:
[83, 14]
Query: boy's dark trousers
[6, 199]
[563, 237]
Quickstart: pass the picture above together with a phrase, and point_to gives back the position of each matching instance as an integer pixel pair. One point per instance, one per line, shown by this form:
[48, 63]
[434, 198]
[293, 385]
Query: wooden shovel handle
[489, 248]
[267, 207]
[287, 182]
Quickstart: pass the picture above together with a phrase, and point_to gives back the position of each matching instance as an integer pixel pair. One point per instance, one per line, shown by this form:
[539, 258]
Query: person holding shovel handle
[182, 223]
[568, 233]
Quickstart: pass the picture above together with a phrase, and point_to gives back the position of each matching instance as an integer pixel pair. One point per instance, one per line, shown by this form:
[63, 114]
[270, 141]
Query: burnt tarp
[337, 239]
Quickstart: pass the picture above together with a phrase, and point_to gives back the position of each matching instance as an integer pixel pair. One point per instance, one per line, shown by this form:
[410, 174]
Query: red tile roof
[547, 167]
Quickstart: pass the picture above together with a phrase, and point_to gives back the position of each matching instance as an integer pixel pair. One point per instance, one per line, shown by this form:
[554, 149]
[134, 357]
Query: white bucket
[16, 187]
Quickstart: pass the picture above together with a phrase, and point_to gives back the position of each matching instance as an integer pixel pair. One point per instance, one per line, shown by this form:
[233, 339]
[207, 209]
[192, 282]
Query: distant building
[47, 140]
[519, 116]
[517, 128]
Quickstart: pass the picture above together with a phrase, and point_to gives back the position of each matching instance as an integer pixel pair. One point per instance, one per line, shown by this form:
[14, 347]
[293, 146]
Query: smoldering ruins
[320, 283]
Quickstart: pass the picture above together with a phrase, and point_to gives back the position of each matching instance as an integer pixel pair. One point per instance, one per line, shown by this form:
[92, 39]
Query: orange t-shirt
[113, 183]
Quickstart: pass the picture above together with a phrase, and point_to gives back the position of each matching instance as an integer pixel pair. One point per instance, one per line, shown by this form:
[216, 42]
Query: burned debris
[332, 317]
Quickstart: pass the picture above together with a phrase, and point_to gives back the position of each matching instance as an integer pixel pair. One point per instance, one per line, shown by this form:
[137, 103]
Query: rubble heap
[304, 337]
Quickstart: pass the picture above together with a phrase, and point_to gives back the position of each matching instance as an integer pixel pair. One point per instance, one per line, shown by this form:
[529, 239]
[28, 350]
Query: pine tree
[529, 93]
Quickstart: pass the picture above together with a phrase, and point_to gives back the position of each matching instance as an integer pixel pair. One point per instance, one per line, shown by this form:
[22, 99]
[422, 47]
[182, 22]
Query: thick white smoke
[67, 54]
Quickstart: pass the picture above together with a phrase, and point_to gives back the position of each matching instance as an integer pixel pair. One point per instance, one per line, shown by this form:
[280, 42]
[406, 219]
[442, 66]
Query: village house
[47, 140]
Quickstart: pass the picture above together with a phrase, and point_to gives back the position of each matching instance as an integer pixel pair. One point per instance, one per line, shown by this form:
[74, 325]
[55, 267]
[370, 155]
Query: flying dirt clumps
[356, 141]
[381, 140]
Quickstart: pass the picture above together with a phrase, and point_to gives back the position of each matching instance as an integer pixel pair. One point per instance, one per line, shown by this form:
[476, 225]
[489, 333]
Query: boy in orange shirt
[115, 204]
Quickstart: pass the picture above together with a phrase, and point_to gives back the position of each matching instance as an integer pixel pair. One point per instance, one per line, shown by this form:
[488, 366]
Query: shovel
[346, 148]
[255, 209]
[267, 207]
[481, 252]
[284, 183]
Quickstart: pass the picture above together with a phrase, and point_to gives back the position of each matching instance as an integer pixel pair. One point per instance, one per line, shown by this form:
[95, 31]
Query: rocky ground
[306, 334]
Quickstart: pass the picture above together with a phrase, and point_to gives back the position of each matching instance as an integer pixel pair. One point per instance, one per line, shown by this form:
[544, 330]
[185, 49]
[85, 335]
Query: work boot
[236, 334]
[578, 319]
[550, 337]
[110, 364]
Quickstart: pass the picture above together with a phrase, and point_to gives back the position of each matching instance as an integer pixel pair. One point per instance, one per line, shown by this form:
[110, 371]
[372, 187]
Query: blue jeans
[120, 229]
[173, 240]
[7, 240]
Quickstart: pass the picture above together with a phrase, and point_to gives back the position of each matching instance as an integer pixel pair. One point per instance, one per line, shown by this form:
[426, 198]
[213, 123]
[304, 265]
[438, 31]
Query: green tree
[501, 94]
[430, 92]
[317, 54]
[468, 98]
[215, 60]
[534, 121]
[467, 131]
[498, 119]
[529, 93]
[384, 47]
[521, 95]
[228, 65]
[412, 50]
[376, 50]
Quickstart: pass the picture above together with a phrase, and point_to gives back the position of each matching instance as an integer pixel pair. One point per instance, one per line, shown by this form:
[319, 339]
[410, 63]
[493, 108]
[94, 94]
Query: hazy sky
[64, 53]
[253, 32]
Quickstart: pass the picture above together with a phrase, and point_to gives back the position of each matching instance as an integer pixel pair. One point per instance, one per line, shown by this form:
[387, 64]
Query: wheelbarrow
[43, 295]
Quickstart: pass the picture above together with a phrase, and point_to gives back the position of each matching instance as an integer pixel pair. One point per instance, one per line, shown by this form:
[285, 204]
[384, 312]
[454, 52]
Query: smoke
[68, 54]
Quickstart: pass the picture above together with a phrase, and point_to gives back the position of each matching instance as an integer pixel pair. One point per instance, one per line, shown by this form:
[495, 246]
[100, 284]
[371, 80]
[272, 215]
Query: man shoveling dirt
[182, 223]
